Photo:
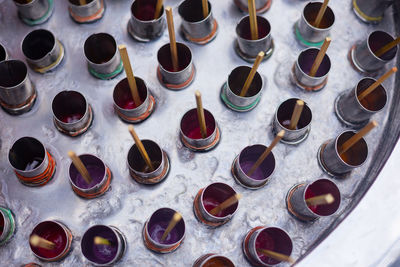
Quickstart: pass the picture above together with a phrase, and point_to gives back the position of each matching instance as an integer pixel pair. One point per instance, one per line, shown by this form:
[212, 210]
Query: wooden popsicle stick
[387, 47]
[226, 204]
[98, 240]
[204, 4]
[320, 200]
[82, 2]
[175, 219]
[320, 57]
[80, 167]
[298, 108]
[172, 40]
[158, 9]
[253, 19]
[266, 153]
[376, 84]
[321, 13]
[200, 115]
[276, 255]
[129, 74]
[253, 71]
[141, 148]
[37, 241]
[355, 138]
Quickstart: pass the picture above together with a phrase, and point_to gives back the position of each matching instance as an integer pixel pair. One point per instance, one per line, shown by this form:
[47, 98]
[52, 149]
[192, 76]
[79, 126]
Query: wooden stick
[355, 138]
[80, 167]
[226, 204]
[298, 108]
[253, 19]
[175, 219]
[376, 84]
[321, 13]
[387, 47]
[276, 255]
[320, 200]
[82, 2]
[129, 74]
[205, 8]
[37, 241]
[253, 71]
[172, 40]
[98, 240]
[141, 148]
[158, 9]
[200, 115]
[266, 152]
[320, 57]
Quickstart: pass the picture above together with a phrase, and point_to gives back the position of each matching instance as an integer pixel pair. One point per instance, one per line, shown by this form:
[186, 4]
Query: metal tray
[128, 205]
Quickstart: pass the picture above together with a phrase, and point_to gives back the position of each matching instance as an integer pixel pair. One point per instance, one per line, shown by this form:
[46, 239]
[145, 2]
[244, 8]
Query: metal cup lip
[213, 216]
[195, 22]
[116, 235]
[213, 256]
[270, 154]
[308, 76]
[332, 183]
[245, 97]
[361, 105]
[105, 35]
[259, 19]
[340, 158]
[295, 130]
[312, 26]
[156, 169]
[144, 101]
[92, 3]
[373, 54]
[66, 238]
[146, 21]
[24, 4]
[53, 39]
[4, 51]
[176, 72]
[73, 92]
[6, 225]
[208, 138]
[158, 243]
[258, 232]
[21, 63]
[22, 172]
[98, 162]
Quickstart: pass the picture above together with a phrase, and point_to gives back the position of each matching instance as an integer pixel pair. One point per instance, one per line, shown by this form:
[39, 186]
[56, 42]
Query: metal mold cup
[210, 197]
[57, 233]
[230, 91]
[299, 193]
[155, 227]
[103, 255]
[247, 48]
[43, 52]
[102, 56]
[212, 259]
[339, 165]
[92, 11]
[302, 68]
[3, 53]
[306, 32]
[362, 55]
[370, 11]
[195, 28]
[169, 78]
[270, 238]
[17, 93]
[124, 105]
[98, 171]
[262, 6]
[138, 168]
[282, 119]
[32, 163]
[190, 133]
[355, 113]
[34, 12]
[245, 160]
[7, 225]
[72, 114]
[142, 25]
